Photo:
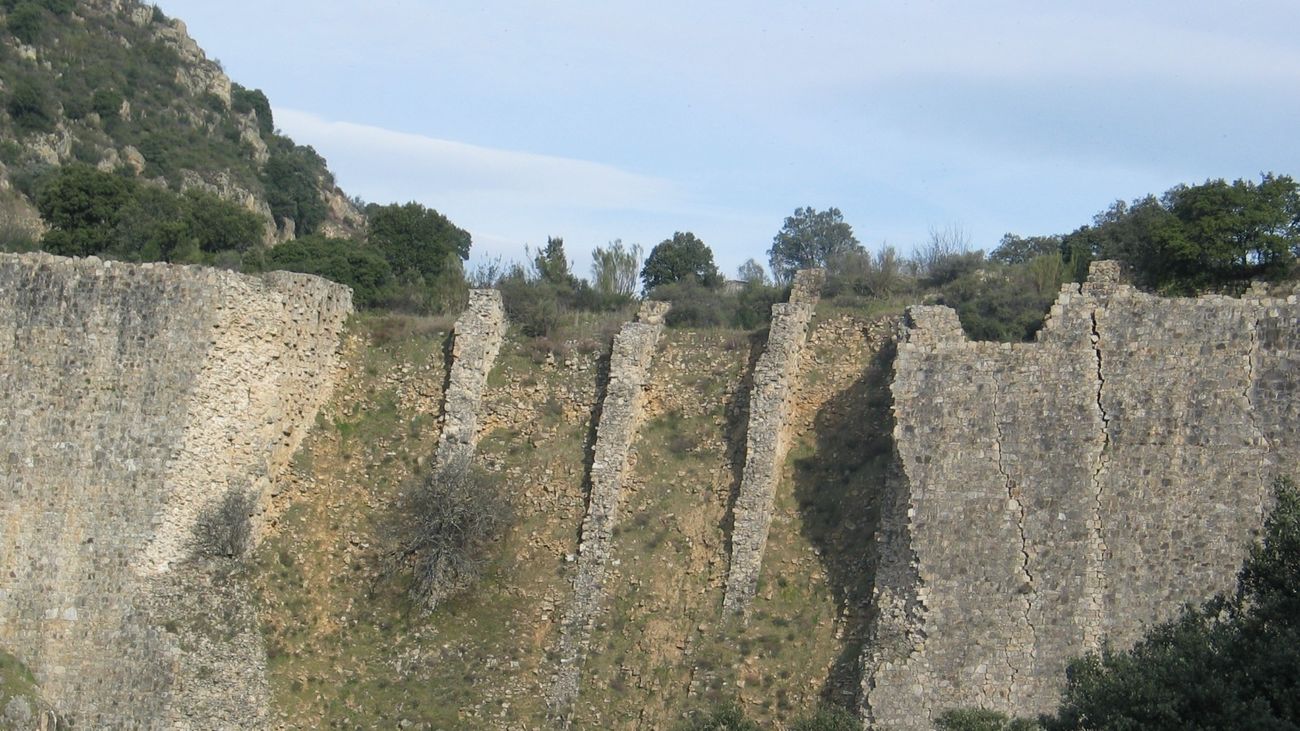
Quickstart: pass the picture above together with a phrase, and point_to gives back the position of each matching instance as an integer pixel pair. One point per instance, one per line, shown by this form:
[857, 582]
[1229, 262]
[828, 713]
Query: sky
[596, 121]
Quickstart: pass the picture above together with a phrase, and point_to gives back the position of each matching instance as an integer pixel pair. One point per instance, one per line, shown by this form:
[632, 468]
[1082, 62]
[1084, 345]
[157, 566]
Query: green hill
[117, 85]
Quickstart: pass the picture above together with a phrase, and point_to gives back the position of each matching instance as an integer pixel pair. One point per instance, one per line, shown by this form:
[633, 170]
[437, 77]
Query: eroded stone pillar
[766, 439]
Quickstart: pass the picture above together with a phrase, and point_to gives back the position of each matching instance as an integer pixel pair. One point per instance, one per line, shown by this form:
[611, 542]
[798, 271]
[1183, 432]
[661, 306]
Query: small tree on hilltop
[751, 272]
[810, 238]
[614, 268]
[552, 264]
[683, 258]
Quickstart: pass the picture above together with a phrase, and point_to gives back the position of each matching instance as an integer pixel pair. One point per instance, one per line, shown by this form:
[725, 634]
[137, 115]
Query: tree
[552, 265]
[416, 241]
[292, 177]
[445, 528]
[1013, 249]
[93, 212]
[809, 238]
[29, 107]
[751, 271]
[614, 268]
[679, 259]
[220, 225]
[946, 256]
[1195, 237]
[338, 260]
[81, 206]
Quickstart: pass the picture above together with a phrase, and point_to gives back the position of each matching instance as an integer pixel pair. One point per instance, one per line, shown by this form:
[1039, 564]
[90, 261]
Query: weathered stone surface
[135, 398]
[1062, 493]
[766, 438]
[478, 335]
[620, 417]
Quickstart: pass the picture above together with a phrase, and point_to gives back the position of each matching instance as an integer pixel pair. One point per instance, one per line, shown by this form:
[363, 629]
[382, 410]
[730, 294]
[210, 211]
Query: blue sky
[618, 120]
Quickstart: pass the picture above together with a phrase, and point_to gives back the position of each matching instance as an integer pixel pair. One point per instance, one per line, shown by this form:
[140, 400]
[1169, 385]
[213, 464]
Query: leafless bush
[946, 256]
[444, 530]
[224, 530]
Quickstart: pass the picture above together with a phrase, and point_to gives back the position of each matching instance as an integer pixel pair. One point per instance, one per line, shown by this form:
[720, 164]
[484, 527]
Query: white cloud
[428, 167]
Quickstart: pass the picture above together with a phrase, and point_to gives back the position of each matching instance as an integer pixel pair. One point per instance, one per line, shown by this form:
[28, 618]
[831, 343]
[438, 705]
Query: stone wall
[133, 400]
[1059, 494]
[478, 335]
[620, 417]
[766, 438]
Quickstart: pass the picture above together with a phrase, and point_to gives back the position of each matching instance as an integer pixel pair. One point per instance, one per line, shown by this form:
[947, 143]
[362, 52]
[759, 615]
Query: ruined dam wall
[134, 401]
[766, 437]
[1058, 494]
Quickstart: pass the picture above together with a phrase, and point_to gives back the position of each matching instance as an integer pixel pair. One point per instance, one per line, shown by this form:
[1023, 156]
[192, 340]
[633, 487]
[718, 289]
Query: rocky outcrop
[1062, 494]
[477, 340]
[766, 438]
[620, 417]
[136, 402]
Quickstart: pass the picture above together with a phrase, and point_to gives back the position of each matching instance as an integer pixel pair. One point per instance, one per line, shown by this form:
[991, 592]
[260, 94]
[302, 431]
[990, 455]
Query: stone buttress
[766, 440]
[620, 417]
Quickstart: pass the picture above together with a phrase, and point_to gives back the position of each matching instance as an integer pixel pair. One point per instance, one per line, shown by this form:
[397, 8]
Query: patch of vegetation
[444, 529]
[95, 213]
[1233, 662]
[339, 260]
[725, 717]
[224, 530]
[978, 719]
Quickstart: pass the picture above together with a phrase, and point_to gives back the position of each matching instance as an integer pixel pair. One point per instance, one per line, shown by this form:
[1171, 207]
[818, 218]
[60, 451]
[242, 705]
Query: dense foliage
[810, 238]
[1213, 235]
[293, 179]
[92, 212]
[114, 87]
[1232, 663]
[679, 259]
[339, 260]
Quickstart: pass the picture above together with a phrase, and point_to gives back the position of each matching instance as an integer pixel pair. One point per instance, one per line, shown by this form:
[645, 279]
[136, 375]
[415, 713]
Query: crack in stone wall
[1016, 510]
[1125, 438]
[133, 399]
[1095, 582]
[766, 439]
[620, 418]
[477, 341]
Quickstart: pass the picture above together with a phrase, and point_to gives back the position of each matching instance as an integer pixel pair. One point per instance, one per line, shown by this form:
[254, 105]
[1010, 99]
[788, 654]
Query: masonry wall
[766, 439]
[477, 341]
[1058, 494]
[133, 400]
[620, 418]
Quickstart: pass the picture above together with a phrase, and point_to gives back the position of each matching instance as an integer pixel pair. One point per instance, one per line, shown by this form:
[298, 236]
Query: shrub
[26, 22]
[979, 719]
[726, 717]
[444, 530]
[224, 530]
[532, 304]
[828, 718]
[30, 108]
[694, 305]
[293, 190]
[339, 260]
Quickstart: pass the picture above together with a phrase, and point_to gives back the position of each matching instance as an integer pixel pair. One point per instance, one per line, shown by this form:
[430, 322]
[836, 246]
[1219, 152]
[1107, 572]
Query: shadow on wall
[601, 376]
[839, 489]
[738, 433]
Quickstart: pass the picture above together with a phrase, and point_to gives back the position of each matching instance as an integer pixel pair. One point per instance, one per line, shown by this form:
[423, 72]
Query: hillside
[117, 85]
